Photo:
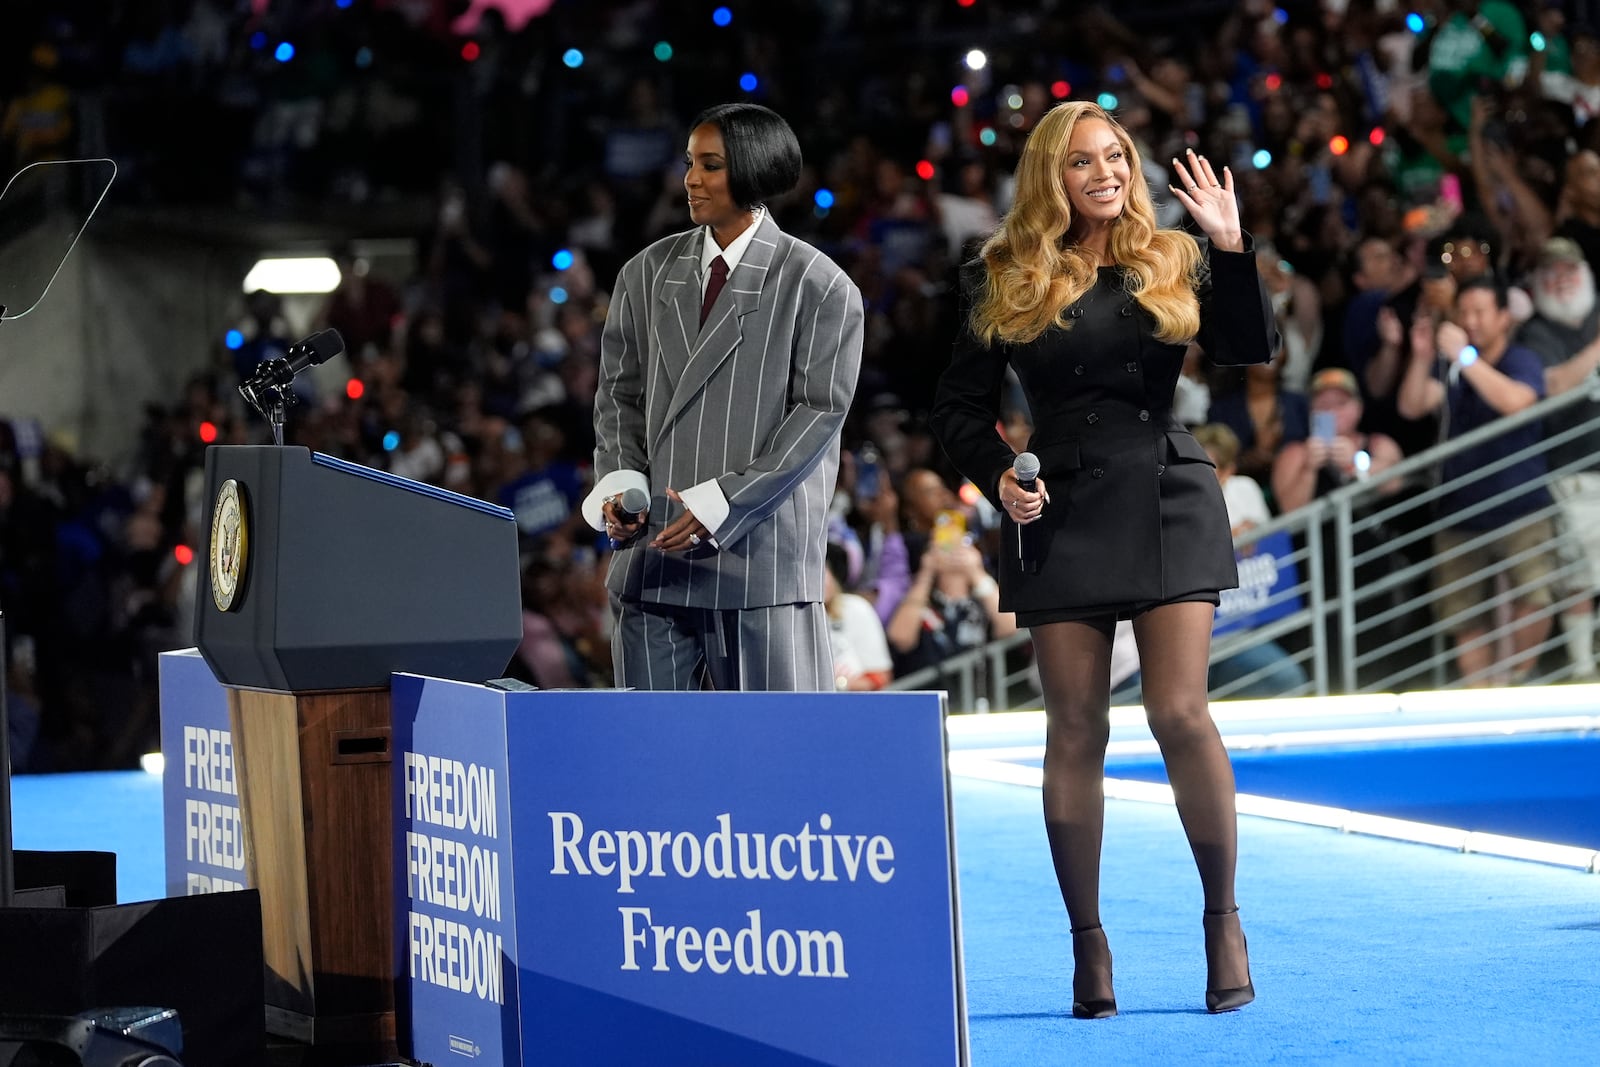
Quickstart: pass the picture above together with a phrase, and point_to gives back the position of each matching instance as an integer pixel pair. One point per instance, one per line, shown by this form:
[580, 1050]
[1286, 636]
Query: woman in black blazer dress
[1092, 306]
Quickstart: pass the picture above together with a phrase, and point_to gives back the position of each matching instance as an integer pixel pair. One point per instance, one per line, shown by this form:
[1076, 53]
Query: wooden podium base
[314, 787]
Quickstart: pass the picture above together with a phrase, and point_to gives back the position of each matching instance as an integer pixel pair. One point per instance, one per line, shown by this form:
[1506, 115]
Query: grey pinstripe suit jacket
[754, 400]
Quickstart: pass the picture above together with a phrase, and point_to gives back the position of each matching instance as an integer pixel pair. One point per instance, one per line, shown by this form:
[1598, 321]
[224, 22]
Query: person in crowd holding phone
[1476, 375]
[728, 363]
[953, 604]
[1092, 306]
[1337, 452]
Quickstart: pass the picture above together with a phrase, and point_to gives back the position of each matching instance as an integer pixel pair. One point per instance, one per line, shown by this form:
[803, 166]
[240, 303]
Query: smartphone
[1450, 191]
[949, 529]
[1322, 425]
[1321, 183]
[867, 473]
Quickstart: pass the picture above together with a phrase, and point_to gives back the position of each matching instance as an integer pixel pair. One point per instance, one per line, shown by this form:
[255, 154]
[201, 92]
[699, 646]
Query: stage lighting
[294, 274]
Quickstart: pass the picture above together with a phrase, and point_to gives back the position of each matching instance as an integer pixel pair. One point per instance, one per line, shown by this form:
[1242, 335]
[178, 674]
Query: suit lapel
[679, 292]
[720, 337]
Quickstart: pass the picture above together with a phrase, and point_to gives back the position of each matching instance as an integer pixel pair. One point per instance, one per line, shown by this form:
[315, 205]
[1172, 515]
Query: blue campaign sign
[751, 878]
[202, 828]
[1266, 576]
[455, 939]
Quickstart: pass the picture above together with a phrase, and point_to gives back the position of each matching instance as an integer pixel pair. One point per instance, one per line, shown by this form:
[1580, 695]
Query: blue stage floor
[1364, 950]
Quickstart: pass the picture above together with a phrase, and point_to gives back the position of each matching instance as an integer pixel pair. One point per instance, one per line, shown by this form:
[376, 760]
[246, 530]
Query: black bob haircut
[762, 151]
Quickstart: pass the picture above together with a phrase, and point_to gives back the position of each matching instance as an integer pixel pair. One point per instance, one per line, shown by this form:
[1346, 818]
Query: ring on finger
[694, 539]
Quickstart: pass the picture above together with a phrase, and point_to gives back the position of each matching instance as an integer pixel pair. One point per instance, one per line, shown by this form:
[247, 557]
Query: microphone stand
[276, 406]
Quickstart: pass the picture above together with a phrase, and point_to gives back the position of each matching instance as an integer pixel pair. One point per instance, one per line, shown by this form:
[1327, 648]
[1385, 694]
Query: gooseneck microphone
[1026, 468]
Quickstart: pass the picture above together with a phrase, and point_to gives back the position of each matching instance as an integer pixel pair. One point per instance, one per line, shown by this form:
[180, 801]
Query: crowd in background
[1385, 156]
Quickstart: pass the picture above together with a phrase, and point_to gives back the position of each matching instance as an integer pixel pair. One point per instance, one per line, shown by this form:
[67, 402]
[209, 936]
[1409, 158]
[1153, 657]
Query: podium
[322, 579]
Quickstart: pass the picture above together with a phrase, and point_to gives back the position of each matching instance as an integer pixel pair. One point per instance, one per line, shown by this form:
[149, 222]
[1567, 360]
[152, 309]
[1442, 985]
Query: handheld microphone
[1026, 468]
[633, 505]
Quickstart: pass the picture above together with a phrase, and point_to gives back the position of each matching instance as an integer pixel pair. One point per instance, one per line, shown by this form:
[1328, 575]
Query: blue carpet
[1363, 951]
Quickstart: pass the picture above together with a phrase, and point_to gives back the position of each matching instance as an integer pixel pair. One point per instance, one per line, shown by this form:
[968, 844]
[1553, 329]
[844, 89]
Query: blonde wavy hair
[1035, 272]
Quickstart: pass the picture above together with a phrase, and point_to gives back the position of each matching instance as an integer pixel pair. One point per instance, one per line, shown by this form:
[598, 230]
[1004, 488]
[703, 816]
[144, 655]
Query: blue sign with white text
[1267, 576]
[454, 880]
[203, 831]
[675, 878]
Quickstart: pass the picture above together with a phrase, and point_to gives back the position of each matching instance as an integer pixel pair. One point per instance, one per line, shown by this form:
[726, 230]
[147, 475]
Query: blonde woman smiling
[1092, 306]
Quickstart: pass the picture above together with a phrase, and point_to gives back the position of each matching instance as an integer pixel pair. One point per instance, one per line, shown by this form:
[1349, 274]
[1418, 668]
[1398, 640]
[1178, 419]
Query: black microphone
[1026, 468]
[279, 373]
[634, 503]
[314, 351]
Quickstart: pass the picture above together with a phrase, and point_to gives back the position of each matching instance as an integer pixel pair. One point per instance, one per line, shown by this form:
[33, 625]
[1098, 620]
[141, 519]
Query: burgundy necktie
[719, 276]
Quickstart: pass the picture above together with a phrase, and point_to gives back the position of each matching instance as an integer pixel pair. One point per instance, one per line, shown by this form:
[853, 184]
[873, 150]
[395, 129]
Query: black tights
[1074, 661]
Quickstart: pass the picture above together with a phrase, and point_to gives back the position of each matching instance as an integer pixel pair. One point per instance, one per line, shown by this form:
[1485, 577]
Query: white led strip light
[982, 766]
[1471, 713]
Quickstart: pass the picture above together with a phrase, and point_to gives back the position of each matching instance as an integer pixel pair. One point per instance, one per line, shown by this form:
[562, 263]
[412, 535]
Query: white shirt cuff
[708, 504]
[614, 484]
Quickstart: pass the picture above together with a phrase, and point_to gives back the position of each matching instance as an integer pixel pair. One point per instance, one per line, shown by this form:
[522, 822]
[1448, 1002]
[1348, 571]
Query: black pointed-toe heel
[1221, 1000]
[1094, 1007]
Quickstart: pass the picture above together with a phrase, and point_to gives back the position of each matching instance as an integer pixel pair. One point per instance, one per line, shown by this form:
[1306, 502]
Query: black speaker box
[88, 879]
[199, 955]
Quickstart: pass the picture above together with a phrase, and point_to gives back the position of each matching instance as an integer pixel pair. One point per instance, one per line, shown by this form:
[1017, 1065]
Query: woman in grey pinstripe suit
[727, 365]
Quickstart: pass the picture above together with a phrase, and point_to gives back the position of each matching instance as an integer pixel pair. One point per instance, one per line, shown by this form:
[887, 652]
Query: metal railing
[1362, 613]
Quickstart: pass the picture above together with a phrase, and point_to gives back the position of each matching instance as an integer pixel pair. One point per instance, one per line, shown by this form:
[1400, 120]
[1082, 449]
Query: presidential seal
[230, 545]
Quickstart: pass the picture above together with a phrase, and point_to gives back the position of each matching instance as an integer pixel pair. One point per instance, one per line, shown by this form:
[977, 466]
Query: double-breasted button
[1133, 368]
[1078, 369]
[1092, 418]
[1144, 416]
[1098, 472]
[1127, 311]
[1161, 468]
[1076, 313]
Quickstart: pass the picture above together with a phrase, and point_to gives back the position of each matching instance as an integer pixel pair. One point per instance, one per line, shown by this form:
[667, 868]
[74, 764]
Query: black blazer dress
[1136, 516]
